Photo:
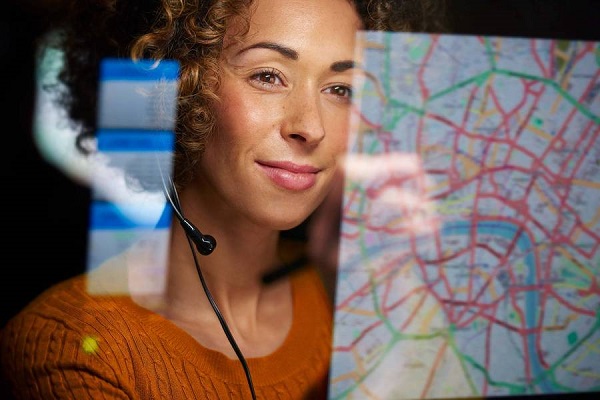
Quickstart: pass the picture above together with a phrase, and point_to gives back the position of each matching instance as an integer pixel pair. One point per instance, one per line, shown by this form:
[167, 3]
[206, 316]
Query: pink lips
[290, 176]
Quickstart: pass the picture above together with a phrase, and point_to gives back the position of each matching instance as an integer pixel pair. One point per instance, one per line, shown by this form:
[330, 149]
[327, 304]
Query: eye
[267, 77]
[342, 91]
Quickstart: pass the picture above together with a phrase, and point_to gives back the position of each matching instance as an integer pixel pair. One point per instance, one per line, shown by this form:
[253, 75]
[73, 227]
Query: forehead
[297, 22]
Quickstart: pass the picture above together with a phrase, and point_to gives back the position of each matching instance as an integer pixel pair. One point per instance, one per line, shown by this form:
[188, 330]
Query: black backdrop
[45, 214]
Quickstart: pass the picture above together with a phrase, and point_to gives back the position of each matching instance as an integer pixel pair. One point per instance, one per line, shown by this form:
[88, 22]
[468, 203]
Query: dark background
[45, 214]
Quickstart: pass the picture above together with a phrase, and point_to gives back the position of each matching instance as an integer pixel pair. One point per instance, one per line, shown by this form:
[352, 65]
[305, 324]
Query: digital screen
[469, 261]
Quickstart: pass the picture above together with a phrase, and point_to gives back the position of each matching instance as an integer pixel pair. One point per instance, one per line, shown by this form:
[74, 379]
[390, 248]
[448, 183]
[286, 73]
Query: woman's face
[283, 117]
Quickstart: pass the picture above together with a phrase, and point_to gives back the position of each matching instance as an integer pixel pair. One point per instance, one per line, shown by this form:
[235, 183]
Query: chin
[288, 218]
[287, 224]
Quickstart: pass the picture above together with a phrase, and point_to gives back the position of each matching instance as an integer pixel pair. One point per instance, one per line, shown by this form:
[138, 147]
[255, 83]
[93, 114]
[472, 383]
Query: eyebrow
[338, 66]
[341, 66]
[283, 50]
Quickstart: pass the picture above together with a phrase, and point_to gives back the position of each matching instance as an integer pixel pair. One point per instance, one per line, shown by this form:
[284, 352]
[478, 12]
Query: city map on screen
[469, 258]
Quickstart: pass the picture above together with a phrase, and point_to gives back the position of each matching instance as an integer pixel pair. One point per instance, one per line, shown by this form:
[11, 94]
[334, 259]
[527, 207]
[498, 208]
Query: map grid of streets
[469, 257]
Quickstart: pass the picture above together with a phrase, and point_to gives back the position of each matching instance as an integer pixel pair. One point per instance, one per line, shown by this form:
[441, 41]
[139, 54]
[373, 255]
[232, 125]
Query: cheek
[240, 117]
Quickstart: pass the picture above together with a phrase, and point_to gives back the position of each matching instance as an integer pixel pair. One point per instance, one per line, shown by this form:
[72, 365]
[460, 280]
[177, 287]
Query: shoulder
[65, 340]
[67, 303]
[67, 314]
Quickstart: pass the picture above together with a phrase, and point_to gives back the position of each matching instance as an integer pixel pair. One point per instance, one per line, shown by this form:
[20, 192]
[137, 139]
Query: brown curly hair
[192, 32]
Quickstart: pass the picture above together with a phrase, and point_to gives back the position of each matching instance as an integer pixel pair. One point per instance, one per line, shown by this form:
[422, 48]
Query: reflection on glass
[471, 224]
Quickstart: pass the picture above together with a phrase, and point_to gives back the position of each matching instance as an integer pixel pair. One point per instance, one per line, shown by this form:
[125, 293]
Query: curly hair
[192, 32]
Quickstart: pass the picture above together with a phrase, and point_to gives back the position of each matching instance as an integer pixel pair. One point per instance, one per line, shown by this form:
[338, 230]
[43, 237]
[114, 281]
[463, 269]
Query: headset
[205, 245]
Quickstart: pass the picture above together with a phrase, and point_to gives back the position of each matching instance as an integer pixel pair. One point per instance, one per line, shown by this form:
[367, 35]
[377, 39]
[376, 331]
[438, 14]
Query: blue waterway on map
[508, 230]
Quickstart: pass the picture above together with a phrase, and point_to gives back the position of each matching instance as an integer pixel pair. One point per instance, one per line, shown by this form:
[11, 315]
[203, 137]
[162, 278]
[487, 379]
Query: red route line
[519, 311]
[538, 337]
[528, 90]
[592, 138]
[552, 57]
[487, 354]
[470, 135]
[356, 340]
[511, 293]
[538, 61]
[563, 199]
[423, 65]
[434, 367]
[442, 272]
[550, 290]
[588, 47]
[365, 289]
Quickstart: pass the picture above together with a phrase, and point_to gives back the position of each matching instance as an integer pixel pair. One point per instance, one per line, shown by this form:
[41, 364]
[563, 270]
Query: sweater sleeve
[43, 359]
[62, 346]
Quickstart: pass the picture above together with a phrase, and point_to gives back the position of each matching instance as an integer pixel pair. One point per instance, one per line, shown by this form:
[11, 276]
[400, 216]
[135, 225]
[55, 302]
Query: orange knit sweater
[67, 344]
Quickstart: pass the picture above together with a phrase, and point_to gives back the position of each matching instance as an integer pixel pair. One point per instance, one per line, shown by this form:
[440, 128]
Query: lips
[290, 176]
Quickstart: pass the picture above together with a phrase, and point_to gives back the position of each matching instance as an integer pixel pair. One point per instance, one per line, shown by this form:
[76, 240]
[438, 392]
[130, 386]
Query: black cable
[173, 199]
[224, 325]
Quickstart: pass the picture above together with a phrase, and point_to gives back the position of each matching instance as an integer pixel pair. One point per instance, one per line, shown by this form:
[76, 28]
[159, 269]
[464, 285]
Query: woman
[264, 97]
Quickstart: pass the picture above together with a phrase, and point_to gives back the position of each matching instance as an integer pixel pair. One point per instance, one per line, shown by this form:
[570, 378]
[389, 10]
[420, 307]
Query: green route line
[396, 117]
[514, 389]
[573, 275]
[584, 110]
[398, 104]
[483, 77]
[478, 79]
[376, 305]
[551, 371]
[456, 350]
[490, 51]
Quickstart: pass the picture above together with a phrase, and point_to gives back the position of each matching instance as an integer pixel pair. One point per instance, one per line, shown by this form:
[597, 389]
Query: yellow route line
[595, 219]
[581, 267]
[589, 348]
[561, 327]
[359, 311]
[587, 184]
[541, 133]
[428, 316]
[565, 56]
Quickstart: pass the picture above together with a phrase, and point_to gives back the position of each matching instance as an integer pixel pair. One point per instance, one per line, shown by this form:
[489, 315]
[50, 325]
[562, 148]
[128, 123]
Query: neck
[233, 275]
[233, 272]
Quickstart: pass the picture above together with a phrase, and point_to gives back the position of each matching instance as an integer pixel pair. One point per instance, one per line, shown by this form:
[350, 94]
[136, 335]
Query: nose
[303, 117]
